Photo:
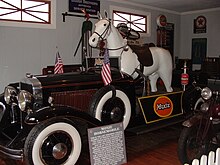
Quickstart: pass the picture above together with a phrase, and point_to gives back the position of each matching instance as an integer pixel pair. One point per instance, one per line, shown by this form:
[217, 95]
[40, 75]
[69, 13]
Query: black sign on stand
[107, 145]
[199, 50]
[90, 6]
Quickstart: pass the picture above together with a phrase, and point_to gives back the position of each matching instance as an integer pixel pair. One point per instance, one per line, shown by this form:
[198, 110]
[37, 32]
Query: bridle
[105, 33]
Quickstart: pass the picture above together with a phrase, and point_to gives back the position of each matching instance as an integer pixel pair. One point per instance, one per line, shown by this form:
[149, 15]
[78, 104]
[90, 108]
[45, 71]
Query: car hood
[93, 76]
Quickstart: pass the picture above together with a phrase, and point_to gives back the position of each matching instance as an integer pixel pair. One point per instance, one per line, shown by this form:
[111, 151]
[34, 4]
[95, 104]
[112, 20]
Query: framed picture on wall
[200, 24]
[199, 50]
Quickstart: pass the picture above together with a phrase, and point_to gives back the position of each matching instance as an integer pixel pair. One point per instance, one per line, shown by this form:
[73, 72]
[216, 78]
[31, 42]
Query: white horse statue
[117, 46]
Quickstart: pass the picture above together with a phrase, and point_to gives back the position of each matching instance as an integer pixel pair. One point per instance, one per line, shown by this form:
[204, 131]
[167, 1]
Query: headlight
[204, 107]
[9, 93]
[206, 93]
[24, 100]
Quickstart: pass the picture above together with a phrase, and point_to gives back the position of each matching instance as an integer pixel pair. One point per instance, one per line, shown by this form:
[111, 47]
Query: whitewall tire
[53, 142]
[111, 105]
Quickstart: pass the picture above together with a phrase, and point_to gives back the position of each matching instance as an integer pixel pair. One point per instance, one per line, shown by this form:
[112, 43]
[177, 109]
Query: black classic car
[42, 118]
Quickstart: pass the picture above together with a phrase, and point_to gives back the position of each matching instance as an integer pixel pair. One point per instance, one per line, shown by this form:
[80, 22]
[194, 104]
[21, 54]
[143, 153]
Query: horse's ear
[99, 15]
[106, 14]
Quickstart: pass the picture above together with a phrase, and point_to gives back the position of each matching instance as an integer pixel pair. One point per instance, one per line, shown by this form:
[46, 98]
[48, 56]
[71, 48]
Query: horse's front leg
[153, 82]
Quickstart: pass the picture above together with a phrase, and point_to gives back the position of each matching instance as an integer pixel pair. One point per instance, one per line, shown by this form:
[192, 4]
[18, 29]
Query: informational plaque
[90, 6]
[107, 145]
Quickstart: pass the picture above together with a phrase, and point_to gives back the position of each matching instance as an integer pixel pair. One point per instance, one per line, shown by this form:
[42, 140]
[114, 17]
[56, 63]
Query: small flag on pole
[106, 71]
[58, 68]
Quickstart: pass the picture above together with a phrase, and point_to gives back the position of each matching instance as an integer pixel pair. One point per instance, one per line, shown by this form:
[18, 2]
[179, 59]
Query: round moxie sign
[163, 106]
[161, 20]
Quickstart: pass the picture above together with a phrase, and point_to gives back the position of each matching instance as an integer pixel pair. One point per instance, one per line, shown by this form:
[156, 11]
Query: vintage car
[43, 118]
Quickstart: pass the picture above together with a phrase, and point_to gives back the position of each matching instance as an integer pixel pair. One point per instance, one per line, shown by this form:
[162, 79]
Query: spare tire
[111, 105]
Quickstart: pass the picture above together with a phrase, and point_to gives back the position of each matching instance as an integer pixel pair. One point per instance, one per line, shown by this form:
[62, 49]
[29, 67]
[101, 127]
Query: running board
[154, 126]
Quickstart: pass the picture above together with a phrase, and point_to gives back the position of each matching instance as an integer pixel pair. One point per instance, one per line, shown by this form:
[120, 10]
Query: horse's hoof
[170, 90]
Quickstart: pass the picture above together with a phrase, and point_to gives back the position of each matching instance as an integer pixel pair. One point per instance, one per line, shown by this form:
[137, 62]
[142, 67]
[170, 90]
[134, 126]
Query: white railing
[212, 159]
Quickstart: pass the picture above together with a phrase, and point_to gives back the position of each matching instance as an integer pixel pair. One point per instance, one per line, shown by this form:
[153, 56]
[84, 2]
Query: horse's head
[101, 32]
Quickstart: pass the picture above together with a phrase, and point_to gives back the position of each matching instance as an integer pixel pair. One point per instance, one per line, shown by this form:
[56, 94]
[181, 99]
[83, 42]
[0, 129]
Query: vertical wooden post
[148, 86]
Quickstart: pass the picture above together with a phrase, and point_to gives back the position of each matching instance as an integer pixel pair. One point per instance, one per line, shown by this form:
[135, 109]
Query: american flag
[106, 71]
[58, 64]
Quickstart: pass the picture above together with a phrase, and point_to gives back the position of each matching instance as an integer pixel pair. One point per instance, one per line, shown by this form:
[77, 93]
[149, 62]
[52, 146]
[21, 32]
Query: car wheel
[54, 141]
[191, 145]
[111, 105]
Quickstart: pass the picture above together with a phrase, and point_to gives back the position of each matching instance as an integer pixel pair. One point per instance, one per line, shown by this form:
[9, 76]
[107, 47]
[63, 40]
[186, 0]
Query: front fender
[55, 111]
[198, 102]
[192, 121]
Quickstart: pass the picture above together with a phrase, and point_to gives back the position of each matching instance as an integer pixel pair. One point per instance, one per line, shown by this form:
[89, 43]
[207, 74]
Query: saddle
[144, 54]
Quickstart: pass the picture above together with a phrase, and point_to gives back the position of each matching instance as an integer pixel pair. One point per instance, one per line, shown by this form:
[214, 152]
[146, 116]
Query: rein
[122, 47]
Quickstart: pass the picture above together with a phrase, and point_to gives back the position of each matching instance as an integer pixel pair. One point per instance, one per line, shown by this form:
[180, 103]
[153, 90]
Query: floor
[153, 148]
[163, 154]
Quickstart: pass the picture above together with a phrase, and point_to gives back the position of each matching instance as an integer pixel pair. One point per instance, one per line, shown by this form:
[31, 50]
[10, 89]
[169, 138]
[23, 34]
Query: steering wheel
[133, 34]
[127, 32]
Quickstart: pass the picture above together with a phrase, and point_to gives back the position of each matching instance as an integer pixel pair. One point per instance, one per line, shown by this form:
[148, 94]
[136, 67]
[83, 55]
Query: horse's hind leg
[167, 78]
[153, 82]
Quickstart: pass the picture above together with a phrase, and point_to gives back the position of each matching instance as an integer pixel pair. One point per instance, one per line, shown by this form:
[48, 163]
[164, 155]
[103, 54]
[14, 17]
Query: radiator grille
[79, 99]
